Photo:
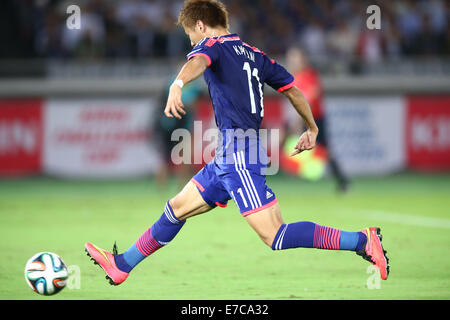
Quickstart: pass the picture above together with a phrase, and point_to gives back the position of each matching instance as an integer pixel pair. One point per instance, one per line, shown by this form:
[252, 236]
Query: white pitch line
[406, 219]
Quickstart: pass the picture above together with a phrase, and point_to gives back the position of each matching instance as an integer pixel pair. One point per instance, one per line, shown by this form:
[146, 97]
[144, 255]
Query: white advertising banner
[366, 134]
[99, 138]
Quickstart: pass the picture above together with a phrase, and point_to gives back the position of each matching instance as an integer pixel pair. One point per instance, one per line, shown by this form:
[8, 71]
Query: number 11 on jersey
[247, 68]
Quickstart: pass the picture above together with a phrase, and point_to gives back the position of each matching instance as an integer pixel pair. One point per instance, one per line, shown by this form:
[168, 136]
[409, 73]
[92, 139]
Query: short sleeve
[276, 76]
[207, 48]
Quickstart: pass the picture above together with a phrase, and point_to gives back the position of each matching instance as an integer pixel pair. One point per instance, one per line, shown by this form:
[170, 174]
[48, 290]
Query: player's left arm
[307, 140]
[282, 81]
[193, 69]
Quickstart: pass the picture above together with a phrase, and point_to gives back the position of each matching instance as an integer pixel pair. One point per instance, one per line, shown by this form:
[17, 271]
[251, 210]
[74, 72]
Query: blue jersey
[235, 76]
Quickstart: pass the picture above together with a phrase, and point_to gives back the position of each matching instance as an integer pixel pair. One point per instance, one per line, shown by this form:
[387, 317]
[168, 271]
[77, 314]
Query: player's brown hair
[211, 12]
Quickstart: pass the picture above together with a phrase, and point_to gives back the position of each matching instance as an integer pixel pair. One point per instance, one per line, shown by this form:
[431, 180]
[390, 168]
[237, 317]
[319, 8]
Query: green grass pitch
[217, 255]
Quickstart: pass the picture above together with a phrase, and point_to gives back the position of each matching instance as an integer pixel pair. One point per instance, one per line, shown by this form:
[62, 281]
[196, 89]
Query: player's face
[194, 34]
[296, 60]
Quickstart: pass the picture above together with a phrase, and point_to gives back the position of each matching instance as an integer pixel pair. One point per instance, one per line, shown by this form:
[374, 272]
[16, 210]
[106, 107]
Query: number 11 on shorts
[239, 190]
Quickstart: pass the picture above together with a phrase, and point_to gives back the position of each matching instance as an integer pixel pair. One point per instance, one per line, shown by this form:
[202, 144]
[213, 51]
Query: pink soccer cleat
[374, 252]
[106, 261]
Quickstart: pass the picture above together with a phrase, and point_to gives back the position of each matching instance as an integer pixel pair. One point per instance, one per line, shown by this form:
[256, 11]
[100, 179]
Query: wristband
[179, 83]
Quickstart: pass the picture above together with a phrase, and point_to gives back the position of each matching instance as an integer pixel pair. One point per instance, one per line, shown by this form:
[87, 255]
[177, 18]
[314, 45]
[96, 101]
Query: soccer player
[166, 126]
[235, 73]
[307, 80]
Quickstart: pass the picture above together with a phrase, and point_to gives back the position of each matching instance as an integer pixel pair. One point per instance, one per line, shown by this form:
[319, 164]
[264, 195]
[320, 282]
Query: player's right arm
[193, 69]
[307, 140]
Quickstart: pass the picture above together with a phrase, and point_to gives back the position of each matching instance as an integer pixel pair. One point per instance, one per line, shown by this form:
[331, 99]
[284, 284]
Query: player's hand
[174, 106]
[307, 141]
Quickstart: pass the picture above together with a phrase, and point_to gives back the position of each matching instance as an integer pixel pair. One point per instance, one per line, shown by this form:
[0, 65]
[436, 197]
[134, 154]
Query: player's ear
[200, 26]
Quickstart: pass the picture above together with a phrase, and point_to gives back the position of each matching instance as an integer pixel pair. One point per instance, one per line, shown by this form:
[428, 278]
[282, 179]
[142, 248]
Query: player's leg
[336, 170]
[188, 202]
[266, 223]
[246, 183]
[200, 195]
[278, 235]
[184, 205]
[258, 204]
[270, 227]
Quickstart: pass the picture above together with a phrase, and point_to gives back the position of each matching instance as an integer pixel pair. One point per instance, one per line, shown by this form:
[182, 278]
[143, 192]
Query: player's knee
[176, 205]
[267, 239]
[182, 208]
[269, 242]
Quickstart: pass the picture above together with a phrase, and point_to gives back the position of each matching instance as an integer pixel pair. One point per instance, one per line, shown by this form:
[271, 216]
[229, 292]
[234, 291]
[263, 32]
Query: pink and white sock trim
[146, 244]
[326, 238]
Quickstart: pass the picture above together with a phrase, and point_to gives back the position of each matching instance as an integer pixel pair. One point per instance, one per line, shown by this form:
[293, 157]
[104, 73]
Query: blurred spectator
[446, 42]
[437, 15]
[391, 33]
[87, 42]
[342, 40]
[116, 44]
[313, 38]
[48, 40]
[428, 39]
[146, 28]
[370, 48]
[409, 24]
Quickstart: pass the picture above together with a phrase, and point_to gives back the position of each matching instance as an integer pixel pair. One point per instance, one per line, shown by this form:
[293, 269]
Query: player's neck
[219, 32]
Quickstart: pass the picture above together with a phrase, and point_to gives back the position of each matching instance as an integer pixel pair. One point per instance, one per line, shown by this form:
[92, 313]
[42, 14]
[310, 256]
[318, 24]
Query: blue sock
[353, 241]
[294, 235]
[308, 234]
[129, 259]
[160, 234]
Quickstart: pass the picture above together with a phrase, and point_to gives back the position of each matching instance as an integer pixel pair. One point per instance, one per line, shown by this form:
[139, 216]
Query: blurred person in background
[146, 28]
[166, 126]
[313, 38]
[88, 41]
[307, 79]
[342, 40]
[409, 22]
[371, 47]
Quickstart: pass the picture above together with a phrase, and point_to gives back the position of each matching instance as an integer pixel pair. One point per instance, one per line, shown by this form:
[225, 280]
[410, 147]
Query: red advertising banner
[428, 132]
[20, 136]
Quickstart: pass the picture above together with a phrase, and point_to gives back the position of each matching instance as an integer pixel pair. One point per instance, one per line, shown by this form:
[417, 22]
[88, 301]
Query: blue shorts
[243, 183]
